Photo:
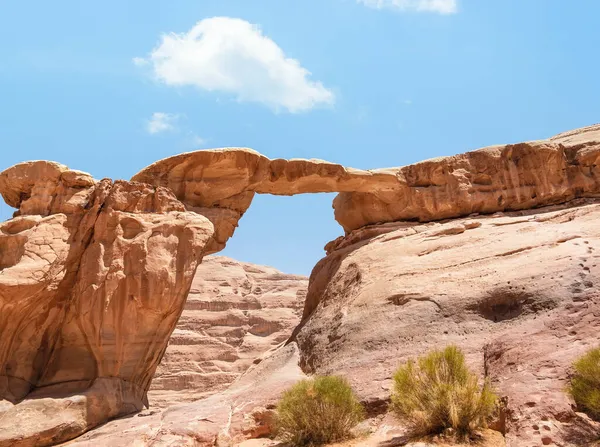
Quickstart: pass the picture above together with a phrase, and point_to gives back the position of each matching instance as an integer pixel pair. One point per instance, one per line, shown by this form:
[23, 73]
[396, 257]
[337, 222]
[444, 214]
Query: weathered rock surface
[234, 314]
[384, 434]
[497, 178]
[93, 278]
[221, 183]
[517, 291]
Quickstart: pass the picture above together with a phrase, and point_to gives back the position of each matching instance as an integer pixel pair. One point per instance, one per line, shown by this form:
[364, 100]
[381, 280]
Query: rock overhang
[221, 183]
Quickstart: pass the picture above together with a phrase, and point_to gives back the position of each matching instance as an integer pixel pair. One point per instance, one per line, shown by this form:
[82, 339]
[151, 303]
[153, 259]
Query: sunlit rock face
[516, 291]
[492, 250]
[222, 182]
[93, 278]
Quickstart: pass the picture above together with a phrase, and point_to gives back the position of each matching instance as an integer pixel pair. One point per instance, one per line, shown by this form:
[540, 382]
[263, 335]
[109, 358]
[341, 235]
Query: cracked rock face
[93, 278]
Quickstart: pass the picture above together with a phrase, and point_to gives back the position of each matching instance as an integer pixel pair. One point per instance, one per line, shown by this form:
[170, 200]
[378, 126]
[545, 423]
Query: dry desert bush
[585, 383]
[438, 392]
[318, 411]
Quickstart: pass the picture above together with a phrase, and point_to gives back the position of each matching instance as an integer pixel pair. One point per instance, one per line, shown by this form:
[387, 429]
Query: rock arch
[94, 274]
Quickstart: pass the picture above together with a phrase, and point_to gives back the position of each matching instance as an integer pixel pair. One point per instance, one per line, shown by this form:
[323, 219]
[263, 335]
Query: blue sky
[109, 87]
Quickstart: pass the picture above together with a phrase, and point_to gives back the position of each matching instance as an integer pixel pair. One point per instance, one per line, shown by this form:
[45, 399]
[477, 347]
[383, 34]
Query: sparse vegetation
[585, 384]
[438, 392]
[318, 411]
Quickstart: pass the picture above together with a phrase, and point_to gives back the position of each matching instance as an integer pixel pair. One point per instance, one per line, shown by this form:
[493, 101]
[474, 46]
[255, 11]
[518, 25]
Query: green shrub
[439, 392]
[585, 384]
[318, 411]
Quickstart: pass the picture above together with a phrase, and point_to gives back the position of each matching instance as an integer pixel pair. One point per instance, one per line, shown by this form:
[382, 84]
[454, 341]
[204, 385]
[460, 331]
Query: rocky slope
[516, 291]
[510, 276]
[235, 313]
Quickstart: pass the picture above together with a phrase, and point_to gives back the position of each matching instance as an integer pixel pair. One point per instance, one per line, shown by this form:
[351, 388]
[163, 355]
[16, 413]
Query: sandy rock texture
[235, 313]
[221, 183]
[516, 291]
[496, 178]
[93, 278]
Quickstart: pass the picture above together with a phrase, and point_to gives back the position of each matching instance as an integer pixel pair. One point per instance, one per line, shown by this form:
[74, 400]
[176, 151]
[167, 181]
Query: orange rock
[220, 183]
[93, 278]
[497, 178]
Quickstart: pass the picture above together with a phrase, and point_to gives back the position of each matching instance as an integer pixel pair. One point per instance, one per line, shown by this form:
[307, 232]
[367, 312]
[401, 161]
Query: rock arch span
[94, 274]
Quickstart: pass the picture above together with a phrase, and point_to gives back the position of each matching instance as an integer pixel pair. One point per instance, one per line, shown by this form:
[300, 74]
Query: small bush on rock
[438, 392]
[318, 411]
[585, 384]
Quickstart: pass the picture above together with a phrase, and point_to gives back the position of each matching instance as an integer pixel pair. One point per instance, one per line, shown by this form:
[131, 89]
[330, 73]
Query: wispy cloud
[161, 122]
[195, 141]
[139, 61]
[435, 6]
[231, 55]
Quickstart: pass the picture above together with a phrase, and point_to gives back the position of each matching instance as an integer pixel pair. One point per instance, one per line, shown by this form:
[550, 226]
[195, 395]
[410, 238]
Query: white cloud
[437, 6]
[161, 122]
[231, 55]
[139, 61]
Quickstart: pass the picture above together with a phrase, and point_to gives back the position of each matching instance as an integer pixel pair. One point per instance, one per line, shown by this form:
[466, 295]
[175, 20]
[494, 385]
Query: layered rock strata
[234, 314]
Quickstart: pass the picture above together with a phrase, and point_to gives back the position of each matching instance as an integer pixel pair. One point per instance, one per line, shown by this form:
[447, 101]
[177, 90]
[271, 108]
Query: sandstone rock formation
[235, 313]
[93, 278]
[510, 279]
[516, 291]
[221, 183]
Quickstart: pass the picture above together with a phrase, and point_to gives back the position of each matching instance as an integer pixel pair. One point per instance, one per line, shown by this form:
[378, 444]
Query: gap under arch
[285, 232]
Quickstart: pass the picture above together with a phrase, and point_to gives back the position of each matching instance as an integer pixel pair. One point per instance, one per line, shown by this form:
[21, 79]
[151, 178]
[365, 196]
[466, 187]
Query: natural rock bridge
[94, 274]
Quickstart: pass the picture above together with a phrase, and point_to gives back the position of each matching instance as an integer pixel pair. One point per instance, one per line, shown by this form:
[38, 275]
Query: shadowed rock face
[94, 275]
